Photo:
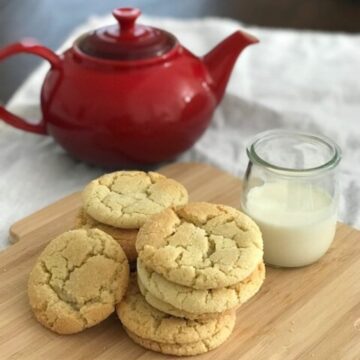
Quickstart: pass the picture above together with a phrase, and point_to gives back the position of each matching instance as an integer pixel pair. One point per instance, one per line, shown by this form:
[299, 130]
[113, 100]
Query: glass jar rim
[276, 133]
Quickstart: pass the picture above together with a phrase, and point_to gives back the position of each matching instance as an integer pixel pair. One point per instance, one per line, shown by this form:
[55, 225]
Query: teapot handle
[28, 46]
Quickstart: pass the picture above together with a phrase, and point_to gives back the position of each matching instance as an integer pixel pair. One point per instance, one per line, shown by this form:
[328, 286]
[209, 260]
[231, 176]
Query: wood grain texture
[306, 313]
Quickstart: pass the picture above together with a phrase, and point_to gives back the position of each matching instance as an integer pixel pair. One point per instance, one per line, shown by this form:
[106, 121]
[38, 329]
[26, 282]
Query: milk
[297, 220]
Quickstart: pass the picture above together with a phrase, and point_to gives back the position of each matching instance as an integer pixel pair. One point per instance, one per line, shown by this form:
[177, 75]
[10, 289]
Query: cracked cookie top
[77, 280]
[201, 245]
[125, 199]
[149, 323]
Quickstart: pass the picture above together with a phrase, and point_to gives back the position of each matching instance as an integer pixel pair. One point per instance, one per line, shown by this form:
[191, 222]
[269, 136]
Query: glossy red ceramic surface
[115, 112]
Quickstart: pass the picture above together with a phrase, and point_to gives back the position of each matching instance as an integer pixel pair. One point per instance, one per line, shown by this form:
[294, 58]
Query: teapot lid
[127, 40]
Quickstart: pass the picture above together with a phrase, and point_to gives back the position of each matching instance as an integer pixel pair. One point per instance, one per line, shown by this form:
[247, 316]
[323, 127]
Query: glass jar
[291, 191]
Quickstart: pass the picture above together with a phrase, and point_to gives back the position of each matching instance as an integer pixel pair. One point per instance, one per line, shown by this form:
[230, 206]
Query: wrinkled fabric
[293, 79]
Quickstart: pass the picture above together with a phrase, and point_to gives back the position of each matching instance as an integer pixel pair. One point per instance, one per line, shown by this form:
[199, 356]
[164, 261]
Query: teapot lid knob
[126, 18]
[126, 40]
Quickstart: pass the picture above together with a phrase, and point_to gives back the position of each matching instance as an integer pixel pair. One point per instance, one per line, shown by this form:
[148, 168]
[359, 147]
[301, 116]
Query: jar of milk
[291, 191]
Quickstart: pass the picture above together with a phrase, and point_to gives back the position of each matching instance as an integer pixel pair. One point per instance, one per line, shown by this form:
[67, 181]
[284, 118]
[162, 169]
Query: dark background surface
[50, 21]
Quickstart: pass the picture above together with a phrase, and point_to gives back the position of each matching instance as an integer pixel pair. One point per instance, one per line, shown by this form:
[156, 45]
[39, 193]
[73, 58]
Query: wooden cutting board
[305, 313]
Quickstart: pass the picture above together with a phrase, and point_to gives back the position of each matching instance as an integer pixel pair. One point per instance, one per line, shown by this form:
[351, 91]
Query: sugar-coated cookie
[198, 301]
[169, 309]
[201, 245]
[145, 321]
[77, 280]
[125, 199]
[189, 349]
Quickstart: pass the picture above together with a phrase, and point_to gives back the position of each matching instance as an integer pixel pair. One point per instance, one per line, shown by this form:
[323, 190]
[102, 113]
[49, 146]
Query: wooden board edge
[56, 209]
[17, 229]
[176, 167]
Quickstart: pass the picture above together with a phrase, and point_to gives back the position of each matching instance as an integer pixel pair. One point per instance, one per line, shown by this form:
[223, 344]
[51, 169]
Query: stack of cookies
[119, 203]
[158, 331]
[196, 265]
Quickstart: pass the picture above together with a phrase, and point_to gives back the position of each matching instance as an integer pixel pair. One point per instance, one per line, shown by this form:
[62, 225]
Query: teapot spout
[221, 60]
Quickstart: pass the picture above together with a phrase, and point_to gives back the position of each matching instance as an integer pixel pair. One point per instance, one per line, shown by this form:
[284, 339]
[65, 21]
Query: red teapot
[128, 93]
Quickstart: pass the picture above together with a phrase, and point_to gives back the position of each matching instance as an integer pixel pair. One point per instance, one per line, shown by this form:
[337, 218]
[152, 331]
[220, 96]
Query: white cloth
[296, 80]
